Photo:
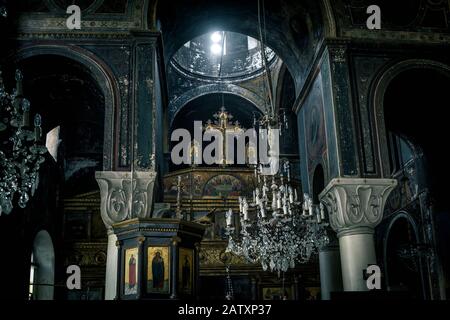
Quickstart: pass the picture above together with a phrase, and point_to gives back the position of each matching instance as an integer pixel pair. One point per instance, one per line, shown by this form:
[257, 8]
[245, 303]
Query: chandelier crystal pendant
[21, 151]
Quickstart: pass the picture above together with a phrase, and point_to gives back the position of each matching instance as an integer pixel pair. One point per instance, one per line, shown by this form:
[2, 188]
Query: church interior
[103, 198]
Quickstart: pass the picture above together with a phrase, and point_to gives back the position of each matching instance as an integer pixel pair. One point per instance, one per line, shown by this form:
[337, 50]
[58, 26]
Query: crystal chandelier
[20, 149]
[276, 229]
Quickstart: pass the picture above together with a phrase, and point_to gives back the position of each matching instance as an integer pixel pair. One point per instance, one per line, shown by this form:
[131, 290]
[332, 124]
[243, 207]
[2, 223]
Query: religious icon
[186, 270]
[131, 266]
[158, 270]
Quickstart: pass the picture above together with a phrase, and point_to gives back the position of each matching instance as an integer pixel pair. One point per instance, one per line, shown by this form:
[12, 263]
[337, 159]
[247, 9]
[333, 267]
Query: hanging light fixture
[276, 229]
[20, 148]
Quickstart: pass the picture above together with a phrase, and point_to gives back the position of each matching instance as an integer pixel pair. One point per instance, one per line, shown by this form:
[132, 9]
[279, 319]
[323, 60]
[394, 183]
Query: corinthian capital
[356, 204]
[125, 195]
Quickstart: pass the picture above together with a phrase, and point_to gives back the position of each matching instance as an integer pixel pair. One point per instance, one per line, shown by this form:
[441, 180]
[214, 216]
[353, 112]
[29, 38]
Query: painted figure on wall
[158, 265]
[186, 274]
[158, 270]
[132, 276]
[131, 266]
[185, 270]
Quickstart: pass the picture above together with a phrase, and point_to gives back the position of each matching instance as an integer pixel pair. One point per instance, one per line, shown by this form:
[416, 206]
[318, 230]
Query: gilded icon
[158, 270]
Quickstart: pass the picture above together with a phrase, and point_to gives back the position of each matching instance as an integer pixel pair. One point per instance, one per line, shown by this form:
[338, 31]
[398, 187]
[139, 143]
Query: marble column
[330, 271]
[355, 208]
[111, 267]
[124, 196]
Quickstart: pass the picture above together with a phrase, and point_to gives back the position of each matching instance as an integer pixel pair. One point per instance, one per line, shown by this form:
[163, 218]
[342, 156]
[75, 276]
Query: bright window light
[216, 37]
[216, 49]
[52, 142]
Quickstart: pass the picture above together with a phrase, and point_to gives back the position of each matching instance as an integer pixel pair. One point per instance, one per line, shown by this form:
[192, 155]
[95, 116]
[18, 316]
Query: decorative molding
[338, 54]
[356, 205]
[125, 195]
[87, 254]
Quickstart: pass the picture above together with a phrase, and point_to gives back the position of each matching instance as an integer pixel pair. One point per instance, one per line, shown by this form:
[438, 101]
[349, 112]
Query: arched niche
[378, 93]
[410, 99]
[402, 265]
[42, 269]
[101, 74]
[70, 96]
[203, 108]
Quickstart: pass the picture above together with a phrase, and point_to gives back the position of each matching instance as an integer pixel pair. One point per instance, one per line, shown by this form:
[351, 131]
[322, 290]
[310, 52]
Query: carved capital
[356, 205]
[125, 195]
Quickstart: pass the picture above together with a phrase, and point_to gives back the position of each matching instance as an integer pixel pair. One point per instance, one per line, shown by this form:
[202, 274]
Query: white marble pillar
[355, 208]
[111, 267]
[124, 196]
[330, 271]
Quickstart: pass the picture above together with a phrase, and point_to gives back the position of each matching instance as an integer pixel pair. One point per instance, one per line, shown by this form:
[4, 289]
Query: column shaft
[330, 271]
[357, 253]
[111, 268]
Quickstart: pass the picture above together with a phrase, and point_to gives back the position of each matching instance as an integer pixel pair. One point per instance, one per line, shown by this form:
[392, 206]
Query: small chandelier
[21, 151]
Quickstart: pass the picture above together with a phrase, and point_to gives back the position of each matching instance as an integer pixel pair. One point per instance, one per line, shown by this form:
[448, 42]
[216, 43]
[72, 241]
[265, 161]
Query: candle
[322, 211]
[37, 128]
[26, 113]
[291, 195]
[274, 200]
[229, 216]
[263, 212]
[257, 198]
[295, 195]
[279, 200]
[240, 204]
[288, 171]
[264, 188]
[285, 208]
[319, 220]
[245, 209]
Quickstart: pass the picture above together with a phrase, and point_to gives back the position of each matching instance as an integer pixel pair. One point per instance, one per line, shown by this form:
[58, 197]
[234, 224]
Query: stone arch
[294, 29]
[176, 105]
[406, 217]
[43, 266]
[103, 76]
[377, 94]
